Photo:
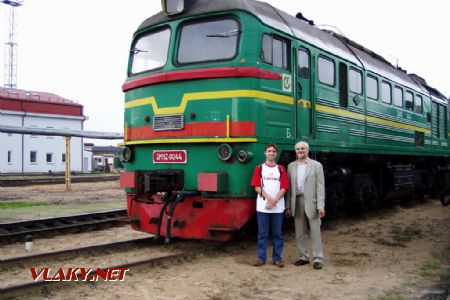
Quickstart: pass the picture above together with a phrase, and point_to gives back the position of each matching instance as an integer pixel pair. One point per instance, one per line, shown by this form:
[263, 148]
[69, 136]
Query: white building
[21, 153]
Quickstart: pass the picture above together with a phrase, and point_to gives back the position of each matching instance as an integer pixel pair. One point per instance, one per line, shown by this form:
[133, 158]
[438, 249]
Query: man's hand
[287, 213]
[321, 212]
[270, 202]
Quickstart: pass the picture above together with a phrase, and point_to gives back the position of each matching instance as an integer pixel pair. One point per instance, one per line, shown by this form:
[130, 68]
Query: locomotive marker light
[244, 156]
[173, 7]
[127, 154]
[224, 152]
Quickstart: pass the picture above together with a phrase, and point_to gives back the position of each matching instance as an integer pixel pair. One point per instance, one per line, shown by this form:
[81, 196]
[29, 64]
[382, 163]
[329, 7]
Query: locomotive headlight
[244, 156]
[224, 152]
[127, 154]
[173, 7]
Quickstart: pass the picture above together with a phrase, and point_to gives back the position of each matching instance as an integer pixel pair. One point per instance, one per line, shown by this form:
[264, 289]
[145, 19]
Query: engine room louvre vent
[168, 122]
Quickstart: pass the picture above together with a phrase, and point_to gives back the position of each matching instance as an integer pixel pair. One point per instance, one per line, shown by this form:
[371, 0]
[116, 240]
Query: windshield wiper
[225, 34]
[136, 51]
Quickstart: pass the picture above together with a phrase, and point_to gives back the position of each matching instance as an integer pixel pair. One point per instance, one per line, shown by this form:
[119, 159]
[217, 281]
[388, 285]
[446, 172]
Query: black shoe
[317, 265]
[301, 262]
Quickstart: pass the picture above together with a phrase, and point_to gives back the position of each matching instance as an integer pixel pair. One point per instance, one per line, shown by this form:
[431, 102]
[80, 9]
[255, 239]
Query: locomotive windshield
[210, 40]
[150, 51]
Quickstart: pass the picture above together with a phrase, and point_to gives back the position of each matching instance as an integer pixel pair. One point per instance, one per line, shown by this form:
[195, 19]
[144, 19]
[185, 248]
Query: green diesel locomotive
[209, 83]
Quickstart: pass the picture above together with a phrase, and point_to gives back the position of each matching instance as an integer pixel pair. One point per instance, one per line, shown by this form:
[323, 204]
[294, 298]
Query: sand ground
[402, 252]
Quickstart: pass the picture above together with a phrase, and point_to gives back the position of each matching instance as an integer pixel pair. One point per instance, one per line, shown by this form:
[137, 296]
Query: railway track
[22, 288]
[14, 231]
[13, 182]
[67, 253]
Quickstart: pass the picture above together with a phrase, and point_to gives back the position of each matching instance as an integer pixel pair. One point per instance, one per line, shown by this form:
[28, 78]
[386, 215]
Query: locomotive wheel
[335, 197]
[364, 194]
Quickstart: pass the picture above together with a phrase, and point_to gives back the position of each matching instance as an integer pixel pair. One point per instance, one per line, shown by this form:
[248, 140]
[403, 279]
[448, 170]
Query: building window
[9, 157]
[372, 87]
[409, 101]
[63, 158]
[275, 51]
[398, 97]
[419, 104]
[49, 158]
[355, 81]
[326, 71]
[386, 95]
[33, 157]
[303, 63]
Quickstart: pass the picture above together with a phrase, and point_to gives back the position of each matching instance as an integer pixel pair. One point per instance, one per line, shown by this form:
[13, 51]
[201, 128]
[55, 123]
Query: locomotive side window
[372, 87]
[386, 95]
[419, 104]
[275, 51]
[398, 96]
[355, 81]
[303, 63]
[266, 49]
[209, 40]
[150, 51]
[409, 101]
[326, 71]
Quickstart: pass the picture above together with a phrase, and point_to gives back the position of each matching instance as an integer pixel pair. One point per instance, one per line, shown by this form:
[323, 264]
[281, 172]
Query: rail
[13, 231]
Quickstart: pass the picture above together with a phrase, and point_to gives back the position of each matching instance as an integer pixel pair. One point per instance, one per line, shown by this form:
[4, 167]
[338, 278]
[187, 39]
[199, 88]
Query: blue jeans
[275, 222]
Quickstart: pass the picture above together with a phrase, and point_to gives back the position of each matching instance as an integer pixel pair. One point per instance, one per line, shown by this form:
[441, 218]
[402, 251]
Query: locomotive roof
[326, 40]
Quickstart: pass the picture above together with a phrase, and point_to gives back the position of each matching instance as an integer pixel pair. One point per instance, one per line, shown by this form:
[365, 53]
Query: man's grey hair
[302, 142]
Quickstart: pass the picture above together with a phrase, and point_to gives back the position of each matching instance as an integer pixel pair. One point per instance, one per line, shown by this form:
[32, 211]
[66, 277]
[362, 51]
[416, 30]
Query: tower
[10, 67]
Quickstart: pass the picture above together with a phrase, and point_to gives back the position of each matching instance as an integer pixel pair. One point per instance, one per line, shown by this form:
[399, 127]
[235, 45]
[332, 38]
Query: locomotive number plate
[169, 156]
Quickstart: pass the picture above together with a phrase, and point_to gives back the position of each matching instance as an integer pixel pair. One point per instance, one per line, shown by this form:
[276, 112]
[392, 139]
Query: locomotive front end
[190, 129]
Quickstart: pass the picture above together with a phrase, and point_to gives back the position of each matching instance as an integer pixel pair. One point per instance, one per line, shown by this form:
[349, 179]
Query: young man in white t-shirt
[270, 182]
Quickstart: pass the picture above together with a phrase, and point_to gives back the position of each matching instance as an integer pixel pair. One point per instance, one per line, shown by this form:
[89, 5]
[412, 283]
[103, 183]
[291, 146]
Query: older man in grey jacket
[306, 199]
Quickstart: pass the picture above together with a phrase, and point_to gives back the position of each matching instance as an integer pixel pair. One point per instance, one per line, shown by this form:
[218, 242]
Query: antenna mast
[11, 45]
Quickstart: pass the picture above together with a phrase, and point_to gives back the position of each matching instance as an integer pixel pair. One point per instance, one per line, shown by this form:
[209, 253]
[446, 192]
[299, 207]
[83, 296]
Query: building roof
[38, 102]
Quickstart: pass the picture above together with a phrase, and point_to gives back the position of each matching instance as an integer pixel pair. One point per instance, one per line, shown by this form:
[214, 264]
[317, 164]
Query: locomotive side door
[303, 92]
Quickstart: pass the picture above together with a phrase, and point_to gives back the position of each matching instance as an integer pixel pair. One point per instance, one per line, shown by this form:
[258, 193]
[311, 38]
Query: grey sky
[79, 49]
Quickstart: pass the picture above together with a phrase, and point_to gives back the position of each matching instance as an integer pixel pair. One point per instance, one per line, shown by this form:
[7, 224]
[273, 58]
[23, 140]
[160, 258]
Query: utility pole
[11, 45]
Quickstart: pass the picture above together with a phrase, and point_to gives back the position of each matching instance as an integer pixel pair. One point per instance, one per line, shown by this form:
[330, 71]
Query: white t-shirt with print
[271, 185]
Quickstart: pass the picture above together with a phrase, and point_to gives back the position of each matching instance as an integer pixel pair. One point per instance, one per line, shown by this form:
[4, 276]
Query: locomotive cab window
[419, 104]
[303, 63]
[149, 52]
[326, 71]
[372, 87]
[409, 100]
[355, 83]
[386, 92]
[208, 40]
[275, 51]
[398, 97]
